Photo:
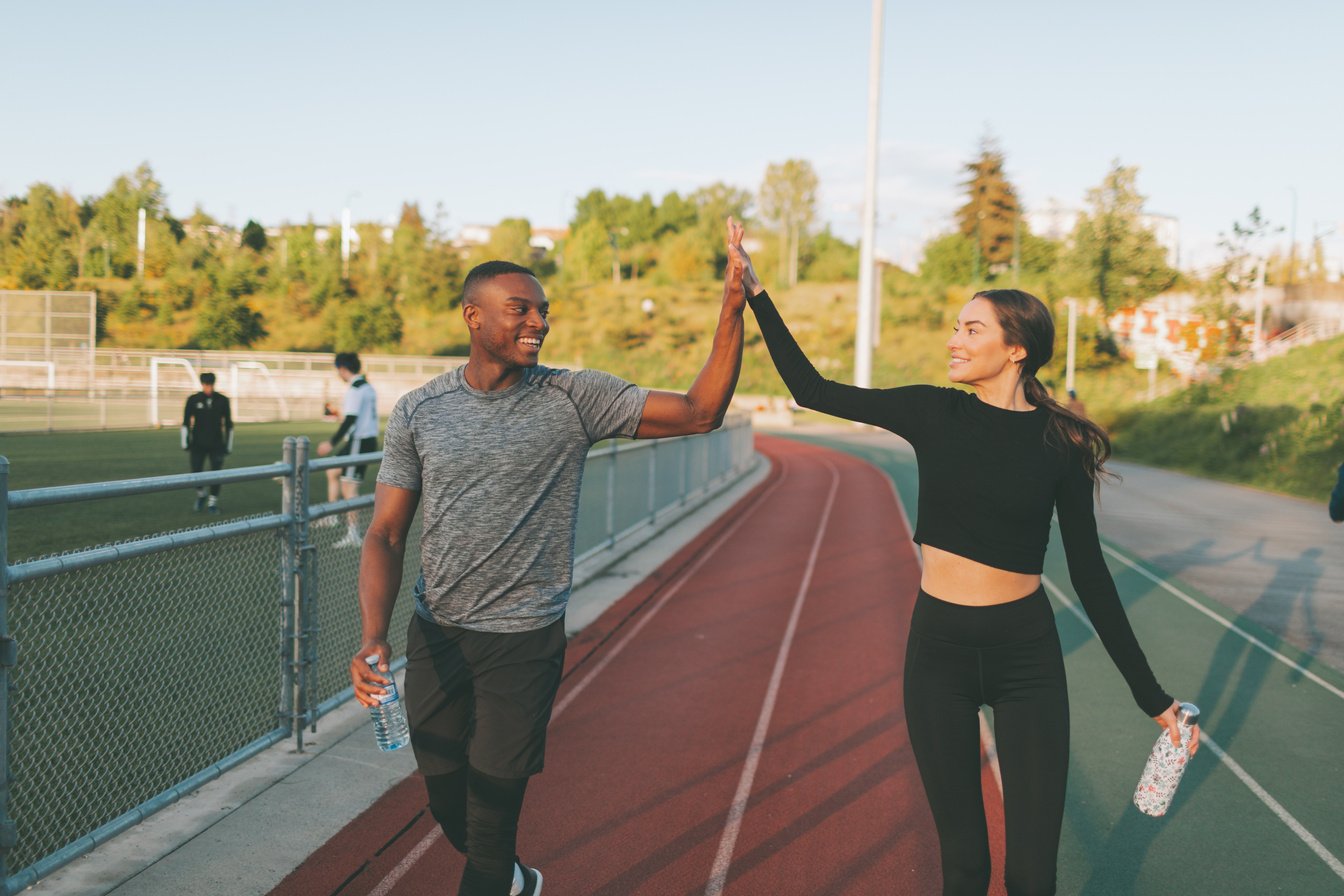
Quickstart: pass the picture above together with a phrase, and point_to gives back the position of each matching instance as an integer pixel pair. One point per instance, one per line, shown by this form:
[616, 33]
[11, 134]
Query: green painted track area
[1261, 809]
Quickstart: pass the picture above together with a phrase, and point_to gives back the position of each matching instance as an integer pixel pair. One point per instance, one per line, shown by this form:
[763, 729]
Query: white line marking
[1232, 626]
[991, 750]
[397, 873]
[718, 876]
[1274, 806]
[1254, 786]
[615, 650]
[986, 735]
[405, 865]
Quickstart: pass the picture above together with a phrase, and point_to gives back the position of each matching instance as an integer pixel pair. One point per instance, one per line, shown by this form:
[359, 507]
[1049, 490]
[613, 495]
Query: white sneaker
[326, 522]
[531, 881]
[350, 540]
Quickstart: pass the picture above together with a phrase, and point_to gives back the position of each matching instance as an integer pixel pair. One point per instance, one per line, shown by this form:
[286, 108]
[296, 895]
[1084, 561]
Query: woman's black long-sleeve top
[989, 483]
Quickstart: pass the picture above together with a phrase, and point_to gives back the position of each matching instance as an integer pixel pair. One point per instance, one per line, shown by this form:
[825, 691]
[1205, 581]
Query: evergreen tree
[989, 218]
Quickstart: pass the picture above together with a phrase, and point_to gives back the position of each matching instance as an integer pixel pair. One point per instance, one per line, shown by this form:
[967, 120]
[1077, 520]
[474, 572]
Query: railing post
[653, 480]
[305, 583]
[9, 650]
[611, 496]
[289, 578]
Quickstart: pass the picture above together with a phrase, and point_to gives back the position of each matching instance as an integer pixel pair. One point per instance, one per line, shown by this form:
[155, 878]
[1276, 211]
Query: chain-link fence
[133, 673]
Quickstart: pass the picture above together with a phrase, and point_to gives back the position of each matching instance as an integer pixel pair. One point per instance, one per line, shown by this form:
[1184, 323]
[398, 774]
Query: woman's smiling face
[978, 352]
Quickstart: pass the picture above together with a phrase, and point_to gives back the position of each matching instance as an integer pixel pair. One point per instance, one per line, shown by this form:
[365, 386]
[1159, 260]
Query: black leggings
[1006, 656]
[479, 815]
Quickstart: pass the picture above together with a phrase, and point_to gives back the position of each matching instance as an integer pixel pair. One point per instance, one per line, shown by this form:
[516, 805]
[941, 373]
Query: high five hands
[739, 278]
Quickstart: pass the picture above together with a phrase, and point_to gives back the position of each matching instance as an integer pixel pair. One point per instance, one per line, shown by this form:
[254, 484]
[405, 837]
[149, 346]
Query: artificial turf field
[64, 458]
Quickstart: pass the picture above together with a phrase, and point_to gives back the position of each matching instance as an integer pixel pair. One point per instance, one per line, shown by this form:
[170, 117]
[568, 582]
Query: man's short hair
[348, 360]
[489, 270]
[207, 379]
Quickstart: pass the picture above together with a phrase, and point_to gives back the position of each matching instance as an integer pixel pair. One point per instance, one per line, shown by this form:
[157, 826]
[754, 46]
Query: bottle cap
[372, 660]
[1188, 714]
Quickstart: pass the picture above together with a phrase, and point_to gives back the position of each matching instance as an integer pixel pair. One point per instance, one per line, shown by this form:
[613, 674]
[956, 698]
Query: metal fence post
[611, 496]
[305, 563]
[653, 480]
[9, 650]
[305, 641]
[289, 579]
[307, 595]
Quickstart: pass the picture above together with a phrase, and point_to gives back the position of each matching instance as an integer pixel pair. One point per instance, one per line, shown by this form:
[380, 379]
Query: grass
[46, 459]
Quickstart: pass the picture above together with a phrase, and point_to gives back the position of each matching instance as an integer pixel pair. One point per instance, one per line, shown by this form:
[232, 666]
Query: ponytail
[1069, 430]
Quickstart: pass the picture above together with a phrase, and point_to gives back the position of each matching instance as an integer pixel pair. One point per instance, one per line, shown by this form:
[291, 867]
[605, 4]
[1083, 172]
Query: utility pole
[1073, 342]
[863, 337]
[345, 243]
[140, 246]
[1017, 244]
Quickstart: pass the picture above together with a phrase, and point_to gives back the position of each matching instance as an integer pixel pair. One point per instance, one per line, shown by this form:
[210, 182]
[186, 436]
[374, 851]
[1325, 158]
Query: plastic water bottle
[1166, 765]
[389, 716]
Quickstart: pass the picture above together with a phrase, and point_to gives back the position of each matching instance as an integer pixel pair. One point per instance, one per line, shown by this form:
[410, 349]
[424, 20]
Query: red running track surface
[660, 706]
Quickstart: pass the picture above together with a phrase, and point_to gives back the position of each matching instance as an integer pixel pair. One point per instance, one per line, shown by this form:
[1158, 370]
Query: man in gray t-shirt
[493, 454]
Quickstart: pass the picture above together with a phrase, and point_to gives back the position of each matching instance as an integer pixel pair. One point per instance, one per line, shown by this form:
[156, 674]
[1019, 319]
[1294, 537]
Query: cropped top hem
[1023, 566]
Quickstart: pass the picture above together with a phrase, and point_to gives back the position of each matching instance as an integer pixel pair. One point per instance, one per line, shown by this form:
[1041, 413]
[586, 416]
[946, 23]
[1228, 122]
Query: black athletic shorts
[357, 446]
[481, 698]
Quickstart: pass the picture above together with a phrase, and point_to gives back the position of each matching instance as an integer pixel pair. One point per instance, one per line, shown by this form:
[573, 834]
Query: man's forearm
[379, 583]
[713, 387]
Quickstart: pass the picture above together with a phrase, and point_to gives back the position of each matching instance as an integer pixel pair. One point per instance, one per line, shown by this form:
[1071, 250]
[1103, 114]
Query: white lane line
[991, 748]
[1231, 626]
[397, 873]
[1233, 766]
[404, 866]
[1274, 806]
[718, 875]
[614, 651]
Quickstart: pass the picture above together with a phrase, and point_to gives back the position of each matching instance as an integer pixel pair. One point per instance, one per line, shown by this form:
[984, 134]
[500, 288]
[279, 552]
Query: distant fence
[44, 389]
[132, 674]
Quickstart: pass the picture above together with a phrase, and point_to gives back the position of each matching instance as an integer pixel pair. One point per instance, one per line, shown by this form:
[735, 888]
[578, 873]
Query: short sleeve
[350, 404]
[609, 406]
[401, 460]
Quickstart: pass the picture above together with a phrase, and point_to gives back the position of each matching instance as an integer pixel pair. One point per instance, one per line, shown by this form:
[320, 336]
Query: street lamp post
[863, 337]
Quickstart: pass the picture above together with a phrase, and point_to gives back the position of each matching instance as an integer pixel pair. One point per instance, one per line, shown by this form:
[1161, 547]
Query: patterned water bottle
[389, 716]
[1166, 765]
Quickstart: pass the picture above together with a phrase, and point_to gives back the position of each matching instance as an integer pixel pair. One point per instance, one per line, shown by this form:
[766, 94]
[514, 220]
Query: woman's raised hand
[739, 259]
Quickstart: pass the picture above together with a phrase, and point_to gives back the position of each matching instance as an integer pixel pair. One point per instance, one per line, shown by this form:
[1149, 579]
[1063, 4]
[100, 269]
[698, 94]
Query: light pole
[1292, 240]
[345, 236]
[863, 337]
[1073, 341]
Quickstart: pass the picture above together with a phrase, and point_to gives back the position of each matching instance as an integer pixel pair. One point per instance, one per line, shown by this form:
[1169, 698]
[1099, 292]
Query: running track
[733, 725]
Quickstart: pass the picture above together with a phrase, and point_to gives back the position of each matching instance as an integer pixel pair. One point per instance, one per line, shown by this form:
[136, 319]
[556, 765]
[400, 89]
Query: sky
[285, 111]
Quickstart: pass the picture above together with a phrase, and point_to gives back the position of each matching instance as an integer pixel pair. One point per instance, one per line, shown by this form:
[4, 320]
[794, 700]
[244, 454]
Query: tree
[826, 257]
[359, 325]
[116, 217]
[1113, 256]
[989, 218]
[254, 236]
[788, 197]
[227, 322]
[948, 260]
[45, 240]
[587, 252]
[1244, 253]
[511, 240]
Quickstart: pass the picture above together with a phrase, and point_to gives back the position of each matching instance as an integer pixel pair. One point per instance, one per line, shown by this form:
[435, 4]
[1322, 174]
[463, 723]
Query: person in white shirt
[357, 434]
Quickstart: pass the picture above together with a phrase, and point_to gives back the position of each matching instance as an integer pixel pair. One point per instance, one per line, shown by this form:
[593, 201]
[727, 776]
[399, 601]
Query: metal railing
[133, 673]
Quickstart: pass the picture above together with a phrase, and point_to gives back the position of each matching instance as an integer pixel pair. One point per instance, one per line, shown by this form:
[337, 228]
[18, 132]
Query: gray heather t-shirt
[498, 475]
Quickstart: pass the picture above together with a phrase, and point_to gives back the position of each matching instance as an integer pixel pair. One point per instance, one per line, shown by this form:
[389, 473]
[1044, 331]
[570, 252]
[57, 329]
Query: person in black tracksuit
[207, 432]
[995, 465]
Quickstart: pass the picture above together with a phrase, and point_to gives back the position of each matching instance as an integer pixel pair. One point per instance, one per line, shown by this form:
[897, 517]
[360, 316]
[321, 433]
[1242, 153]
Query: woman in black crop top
[995, 465]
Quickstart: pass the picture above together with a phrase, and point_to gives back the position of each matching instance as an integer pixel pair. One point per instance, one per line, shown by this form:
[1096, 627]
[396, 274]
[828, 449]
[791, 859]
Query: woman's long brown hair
[1026, 322]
